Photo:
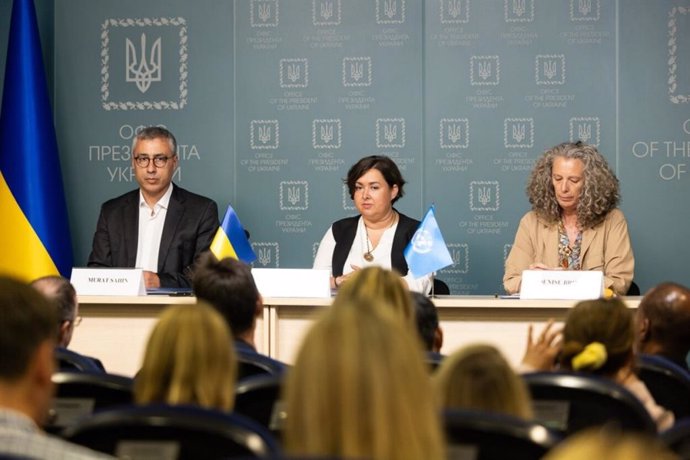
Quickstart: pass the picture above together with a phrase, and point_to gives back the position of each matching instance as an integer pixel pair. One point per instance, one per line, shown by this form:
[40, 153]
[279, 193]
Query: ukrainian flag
[34, 233]
[231, 240]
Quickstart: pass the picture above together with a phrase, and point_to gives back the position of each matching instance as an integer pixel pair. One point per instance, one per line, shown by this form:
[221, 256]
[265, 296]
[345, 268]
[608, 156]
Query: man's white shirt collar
[162, 203]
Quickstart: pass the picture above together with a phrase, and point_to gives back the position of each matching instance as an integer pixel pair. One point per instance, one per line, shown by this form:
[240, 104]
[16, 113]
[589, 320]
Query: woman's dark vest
[344, 232]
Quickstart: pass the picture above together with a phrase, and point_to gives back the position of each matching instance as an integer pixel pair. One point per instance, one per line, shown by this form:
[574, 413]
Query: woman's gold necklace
[368, 256]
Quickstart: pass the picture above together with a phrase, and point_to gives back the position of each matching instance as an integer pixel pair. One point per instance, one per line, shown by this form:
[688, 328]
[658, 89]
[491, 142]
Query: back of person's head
[228, 285]
[378, 288]
[610, 444]
[62, 294]
[598, 337]
[478, 377]
[426, 317]
[27, 320]
[27, 340]
[666, 310]
[189, 359]
[359, 389]
[60, 290]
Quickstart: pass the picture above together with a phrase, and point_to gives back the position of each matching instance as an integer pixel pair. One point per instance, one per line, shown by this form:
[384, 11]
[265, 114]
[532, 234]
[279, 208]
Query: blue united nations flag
[427, 251]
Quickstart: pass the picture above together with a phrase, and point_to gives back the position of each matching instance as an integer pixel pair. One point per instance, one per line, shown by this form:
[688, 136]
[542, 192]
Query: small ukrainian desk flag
[34, 234]
[427, 252]
[231, 240]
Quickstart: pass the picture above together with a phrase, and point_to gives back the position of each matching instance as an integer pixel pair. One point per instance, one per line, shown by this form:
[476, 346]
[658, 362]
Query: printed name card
[561, 284]
[109, 281]
[292, 282]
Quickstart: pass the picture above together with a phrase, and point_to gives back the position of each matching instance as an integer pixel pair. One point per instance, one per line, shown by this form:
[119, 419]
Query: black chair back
[179, 432]
[70, 361]
[440, 287]
[668, 383]
[569, 402]
[490, 436]
[677, 438]
[633, 290]
[79, 394]
[251, 363]
[258, 398]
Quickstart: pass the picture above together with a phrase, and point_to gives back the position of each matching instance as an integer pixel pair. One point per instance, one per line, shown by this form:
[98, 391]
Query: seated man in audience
[27, 340]
[427, 324]
[228, 285]
[663, 323]
[61, 293]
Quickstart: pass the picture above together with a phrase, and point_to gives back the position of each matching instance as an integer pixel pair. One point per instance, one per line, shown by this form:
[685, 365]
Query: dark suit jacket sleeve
[115, 239]
[177, 273]
[101, 255]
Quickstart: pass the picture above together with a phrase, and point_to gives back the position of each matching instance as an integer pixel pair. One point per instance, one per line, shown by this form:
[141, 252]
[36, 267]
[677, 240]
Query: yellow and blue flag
[427, 251]
[231, 240]
[34, 235]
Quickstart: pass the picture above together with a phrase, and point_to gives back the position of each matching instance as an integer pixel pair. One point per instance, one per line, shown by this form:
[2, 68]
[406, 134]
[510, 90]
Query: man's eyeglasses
[76, 321]
[158, 161]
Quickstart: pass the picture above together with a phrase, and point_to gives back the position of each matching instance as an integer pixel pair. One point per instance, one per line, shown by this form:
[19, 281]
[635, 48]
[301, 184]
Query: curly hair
[600, 193]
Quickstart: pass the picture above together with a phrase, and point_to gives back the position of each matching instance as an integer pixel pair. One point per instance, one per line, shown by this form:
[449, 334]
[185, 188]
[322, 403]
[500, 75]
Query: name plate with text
[561, 284]
[292, 282]
[109, 281]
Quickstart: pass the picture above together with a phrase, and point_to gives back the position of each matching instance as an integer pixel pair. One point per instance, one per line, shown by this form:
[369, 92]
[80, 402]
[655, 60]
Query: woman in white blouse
[379, 235]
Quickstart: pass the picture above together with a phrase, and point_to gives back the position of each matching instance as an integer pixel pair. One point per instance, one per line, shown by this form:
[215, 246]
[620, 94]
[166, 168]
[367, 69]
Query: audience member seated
[610, 444]
[598, 338]
[478, 377]
[27, 341]
[359, 389]
[428, 327]
[189, 359]
[228, 286]
[60, 291]
[662, 322]
[379, 289]
[668, 383]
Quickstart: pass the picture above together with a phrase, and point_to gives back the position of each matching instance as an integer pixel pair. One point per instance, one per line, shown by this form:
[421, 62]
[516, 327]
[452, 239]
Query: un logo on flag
[422, 242]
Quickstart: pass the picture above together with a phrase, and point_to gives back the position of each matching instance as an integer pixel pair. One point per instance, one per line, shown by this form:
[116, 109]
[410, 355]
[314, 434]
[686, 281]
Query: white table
[115, 329]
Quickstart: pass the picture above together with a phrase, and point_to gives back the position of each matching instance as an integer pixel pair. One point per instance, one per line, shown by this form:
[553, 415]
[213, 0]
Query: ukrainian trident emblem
[145, 68]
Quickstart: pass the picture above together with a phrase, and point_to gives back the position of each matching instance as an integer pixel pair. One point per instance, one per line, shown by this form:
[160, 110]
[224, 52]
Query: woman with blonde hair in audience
[359, 389]
[598, 338]
[378, 288]
[610, 444]
[478, 377]
[189, 359]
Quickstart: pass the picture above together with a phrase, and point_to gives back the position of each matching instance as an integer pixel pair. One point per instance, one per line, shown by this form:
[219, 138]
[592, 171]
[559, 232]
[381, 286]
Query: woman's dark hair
[387, 167]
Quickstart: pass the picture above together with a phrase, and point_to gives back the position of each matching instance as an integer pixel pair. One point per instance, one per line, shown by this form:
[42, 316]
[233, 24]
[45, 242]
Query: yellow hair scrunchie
[592, 357]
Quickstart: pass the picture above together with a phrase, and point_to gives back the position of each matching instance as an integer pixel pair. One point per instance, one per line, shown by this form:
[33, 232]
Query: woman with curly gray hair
[574, 223]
